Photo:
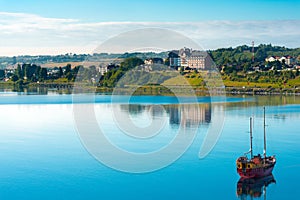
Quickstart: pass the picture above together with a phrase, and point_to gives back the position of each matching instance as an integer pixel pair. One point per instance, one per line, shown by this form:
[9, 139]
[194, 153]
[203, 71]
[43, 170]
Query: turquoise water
[42, 156]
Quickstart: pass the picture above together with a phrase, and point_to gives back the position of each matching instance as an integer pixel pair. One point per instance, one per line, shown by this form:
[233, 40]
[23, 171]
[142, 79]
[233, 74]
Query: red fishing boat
[256, 166]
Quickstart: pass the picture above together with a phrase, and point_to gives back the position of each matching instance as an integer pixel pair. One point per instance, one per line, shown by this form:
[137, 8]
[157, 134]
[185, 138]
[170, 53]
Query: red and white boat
[256, 166]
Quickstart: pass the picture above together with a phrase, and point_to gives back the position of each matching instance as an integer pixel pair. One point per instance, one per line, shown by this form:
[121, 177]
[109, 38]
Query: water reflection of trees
[35, 90]
[185, 114]
[267, 100]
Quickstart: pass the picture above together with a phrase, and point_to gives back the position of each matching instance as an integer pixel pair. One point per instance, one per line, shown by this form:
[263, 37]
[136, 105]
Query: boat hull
[256, 172]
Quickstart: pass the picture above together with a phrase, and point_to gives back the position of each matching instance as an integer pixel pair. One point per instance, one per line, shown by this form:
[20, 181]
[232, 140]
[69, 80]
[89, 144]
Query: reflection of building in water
[136, 109]
[195, 114]
[185, 114]
[189, 114]
[174, 114]
[254, 188]
[157, 110]
[133, 109]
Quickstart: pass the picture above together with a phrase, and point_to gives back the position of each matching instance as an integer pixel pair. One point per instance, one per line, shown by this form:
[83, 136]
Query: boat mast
[251, 150]
[265, 143]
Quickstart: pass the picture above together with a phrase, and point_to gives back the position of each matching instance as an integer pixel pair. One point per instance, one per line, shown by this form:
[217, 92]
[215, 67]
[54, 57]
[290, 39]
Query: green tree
[131, 62]
[167, 62]
[37, 72]
[69, 76]
[60, 72]
[14, 78]
[29, 70]
[182, 70]
[19, 72]
[68, 69]
[2, 73]
[260, 55]
[246, 67]
[43, 74]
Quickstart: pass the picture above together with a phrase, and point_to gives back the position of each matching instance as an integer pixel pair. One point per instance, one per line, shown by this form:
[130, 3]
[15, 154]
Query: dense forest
[243, 53]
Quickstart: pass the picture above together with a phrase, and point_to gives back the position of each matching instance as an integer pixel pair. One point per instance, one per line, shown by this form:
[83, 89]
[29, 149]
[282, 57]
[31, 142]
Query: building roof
[198, 54]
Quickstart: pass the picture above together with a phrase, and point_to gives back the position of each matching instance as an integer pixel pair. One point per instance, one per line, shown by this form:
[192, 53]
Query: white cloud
[11, 23]
[22, 33]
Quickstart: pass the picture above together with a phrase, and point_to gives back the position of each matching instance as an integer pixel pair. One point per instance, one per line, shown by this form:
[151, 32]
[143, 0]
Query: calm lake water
[42, 155]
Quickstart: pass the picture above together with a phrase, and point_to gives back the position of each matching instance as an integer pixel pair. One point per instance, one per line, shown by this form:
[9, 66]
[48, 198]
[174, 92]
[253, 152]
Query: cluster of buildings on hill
[289, 62]
[184, 58]
[283, 59]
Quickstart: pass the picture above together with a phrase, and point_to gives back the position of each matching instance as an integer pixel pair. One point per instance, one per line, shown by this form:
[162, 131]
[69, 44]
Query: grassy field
[189, 78]
[196, 80]
[178, 80]
[294, 82]
[250, 84]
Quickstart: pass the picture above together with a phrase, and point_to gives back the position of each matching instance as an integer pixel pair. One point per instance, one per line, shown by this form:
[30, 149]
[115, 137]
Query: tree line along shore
[265, 69]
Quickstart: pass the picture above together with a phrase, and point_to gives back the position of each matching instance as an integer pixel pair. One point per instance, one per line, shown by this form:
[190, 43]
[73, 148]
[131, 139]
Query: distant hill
[223, 56]
[47, 59]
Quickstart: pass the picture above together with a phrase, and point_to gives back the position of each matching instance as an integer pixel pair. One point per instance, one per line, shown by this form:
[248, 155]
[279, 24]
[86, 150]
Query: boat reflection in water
[254, 187]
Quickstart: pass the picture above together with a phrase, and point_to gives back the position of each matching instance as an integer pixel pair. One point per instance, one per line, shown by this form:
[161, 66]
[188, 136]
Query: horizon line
[112, 53]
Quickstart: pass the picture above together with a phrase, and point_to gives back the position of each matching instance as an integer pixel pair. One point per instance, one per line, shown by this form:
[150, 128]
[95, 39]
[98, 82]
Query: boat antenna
[251, 150]
[265, 143]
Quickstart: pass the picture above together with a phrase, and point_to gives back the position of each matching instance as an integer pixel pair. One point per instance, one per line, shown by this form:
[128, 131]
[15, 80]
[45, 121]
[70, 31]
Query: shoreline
[153, 89]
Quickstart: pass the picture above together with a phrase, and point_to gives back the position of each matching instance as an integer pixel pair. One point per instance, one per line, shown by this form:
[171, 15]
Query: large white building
[190, 58]
[198, 60]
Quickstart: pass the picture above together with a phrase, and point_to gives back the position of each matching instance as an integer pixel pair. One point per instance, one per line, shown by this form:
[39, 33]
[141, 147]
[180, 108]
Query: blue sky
[158, 10]
[54, 27]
